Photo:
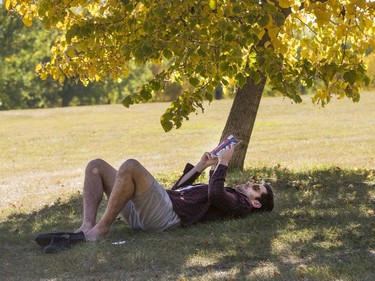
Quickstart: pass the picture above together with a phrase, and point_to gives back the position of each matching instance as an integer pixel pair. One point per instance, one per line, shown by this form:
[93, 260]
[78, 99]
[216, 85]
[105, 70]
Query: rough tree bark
[242, 117]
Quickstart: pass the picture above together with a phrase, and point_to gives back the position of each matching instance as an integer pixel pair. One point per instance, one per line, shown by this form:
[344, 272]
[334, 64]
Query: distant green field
[321, 162]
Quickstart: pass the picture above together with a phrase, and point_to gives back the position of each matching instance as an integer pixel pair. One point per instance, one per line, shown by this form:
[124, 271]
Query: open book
[228, 141]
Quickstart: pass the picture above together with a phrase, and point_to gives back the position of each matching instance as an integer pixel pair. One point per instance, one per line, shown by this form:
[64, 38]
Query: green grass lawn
[320, 162]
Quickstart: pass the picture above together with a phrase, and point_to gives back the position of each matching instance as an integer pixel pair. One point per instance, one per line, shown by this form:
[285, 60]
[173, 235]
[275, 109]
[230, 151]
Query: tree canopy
[292, 43]
[210, 42]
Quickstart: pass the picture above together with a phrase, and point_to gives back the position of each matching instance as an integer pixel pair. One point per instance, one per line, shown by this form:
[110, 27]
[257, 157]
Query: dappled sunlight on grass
[264, 270]
[313, 233]
[201, 260]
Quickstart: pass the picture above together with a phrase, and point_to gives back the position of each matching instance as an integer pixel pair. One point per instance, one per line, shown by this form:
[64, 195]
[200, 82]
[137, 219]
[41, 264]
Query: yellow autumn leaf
[276, 43]
[71, 53]
[55, 73]
[33, 7]
[43, 76]
[270, 23]
[341, 31]
[273, 31]
[322, 93]
[284, 3]
[7, 4]
[260, 34]
[38, 67]
[369, 23]
[229, 7]
[295, 8]
[27, 21]
[213, 4]
[84, 81]
[305, 52]
[126, 69]
[359, 3]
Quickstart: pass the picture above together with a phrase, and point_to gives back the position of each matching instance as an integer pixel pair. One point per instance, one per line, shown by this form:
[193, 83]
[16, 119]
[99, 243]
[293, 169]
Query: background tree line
[22, 48]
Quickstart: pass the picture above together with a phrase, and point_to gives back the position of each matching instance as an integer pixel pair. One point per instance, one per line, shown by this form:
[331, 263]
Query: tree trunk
[66, 93]
[242, 117]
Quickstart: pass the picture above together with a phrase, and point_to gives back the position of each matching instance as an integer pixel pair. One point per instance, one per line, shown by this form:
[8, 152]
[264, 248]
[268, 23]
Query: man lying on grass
[144, 204]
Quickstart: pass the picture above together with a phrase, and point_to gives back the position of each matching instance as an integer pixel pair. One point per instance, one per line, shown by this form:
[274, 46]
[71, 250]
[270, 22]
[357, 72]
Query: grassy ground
[320, 162]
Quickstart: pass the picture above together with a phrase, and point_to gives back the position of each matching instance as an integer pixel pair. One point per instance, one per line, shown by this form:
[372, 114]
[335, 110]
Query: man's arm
[206, 160]
[228, 202]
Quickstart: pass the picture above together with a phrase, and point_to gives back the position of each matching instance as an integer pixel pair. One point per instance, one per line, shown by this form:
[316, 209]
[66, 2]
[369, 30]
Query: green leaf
[129, 7]
[229, 37]
[244, 28]
[209, 96]
[148, 26]
[165, 121]
[159, 11]
[138, 54]
[127, 101]
[155, 85]
[255, 76]
[224, 66]
[264, 21]
[178, 122]
[367, 80]
[241, 79]
[328, 71]
[193, 81]
[224, 81]
[279, 19]
[297, 98]
[251, 18]
[167, 54]
[71, 33]
[199, 68]
[350, 76]
[261, 61]
[356, 97]
[145, 94]
[309, 83]
[201, 53]
[147, 51]
[210, 88]
[237, 9]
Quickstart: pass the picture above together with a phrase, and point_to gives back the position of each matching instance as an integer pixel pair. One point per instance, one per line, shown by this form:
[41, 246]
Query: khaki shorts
[153, 210]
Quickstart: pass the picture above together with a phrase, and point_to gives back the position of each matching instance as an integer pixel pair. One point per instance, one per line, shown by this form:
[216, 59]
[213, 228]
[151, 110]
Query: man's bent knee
[141, 178]
[130, 165]
[93, 167]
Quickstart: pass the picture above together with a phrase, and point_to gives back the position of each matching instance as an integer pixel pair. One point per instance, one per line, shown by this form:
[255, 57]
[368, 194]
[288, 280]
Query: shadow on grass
[322, 228]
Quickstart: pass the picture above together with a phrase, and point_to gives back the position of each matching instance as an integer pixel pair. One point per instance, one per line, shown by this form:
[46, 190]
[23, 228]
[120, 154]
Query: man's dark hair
[266, 199]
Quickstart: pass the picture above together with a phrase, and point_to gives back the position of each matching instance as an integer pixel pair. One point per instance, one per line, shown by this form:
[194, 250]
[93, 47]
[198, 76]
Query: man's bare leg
[132, 181]
[99, 178]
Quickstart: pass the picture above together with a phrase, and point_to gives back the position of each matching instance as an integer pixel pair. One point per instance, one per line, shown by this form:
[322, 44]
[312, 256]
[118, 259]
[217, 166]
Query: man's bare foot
[96, 234]
[84, 228]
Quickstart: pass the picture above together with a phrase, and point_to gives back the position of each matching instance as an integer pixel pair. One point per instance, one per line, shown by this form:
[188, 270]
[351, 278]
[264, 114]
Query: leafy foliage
[22, 49]
[292, 42]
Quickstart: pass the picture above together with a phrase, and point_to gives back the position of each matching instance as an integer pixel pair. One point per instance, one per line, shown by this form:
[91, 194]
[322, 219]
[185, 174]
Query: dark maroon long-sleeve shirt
[202, 202]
